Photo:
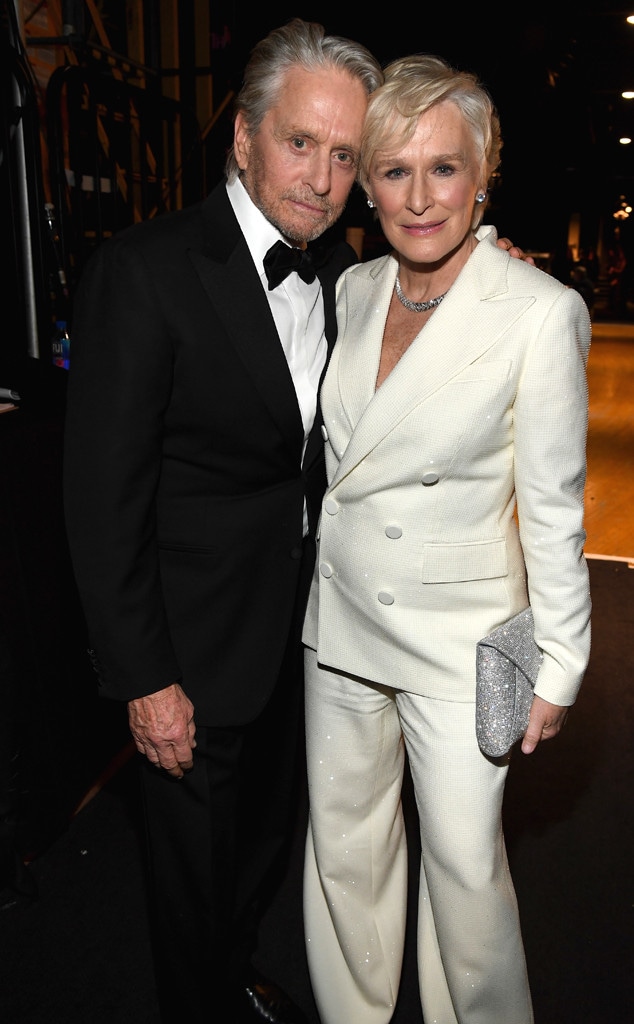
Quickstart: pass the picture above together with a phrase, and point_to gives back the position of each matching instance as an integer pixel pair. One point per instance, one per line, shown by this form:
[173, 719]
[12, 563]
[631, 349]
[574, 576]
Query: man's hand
[162, 725]
[545, 721]
[514, 250]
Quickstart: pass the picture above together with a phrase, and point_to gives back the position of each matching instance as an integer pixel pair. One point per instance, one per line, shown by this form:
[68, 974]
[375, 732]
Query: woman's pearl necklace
[416, 307]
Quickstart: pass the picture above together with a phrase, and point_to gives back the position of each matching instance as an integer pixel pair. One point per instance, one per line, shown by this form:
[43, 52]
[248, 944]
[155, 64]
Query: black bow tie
[281, 260]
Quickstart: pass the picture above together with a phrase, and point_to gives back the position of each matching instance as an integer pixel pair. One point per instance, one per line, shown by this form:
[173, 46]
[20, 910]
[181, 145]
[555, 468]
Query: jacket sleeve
[119, 388]
[550, 431]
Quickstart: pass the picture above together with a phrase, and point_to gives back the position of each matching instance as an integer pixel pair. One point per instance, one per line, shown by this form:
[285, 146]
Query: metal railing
[118, 154]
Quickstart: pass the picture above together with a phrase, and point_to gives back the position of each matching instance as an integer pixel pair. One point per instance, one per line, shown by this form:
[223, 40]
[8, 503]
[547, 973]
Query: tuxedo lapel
[229, 277]
[329, 268]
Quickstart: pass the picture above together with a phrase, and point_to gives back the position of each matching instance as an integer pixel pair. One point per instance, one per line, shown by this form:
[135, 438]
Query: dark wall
[56, 735]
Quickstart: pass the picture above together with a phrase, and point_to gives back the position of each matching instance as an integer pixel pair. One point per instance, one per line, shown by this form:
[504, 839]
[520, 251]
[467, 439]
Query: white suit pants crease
[354, 945]
[470, 954]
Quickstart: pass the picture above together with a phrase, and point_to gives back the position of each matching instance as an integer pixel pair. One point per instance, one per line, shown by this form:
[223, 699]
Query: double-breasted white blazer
[455, 490]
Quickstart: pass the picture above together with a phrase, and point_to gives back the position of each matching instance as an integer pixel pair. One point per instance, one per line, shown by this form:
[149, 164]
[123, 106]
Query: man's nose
[319, 173]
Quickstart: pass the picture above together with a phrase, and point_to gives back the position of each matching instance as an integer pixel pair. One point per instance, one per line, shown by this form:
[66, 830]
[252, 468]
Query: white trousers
[471, 960]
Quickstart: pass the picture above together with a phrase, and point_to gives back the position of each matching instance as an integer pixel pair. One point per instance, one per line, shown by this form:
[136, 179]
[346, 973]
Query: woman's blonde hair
[415, 84]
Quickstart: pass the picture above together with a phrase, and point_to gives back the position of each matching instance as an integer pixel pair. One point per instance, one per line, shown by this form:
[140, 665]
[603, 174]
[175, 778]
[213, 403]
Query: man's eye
[345, 158]
[298, 143]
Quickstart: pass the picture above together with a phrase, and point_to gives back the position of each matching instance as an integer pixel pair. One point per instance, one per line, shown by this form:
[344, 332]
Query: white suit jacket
[481, 425]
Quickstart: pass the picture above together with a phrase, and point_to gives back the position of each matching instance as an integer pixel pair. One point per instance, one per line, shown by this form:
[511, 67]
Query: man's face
[300, 166]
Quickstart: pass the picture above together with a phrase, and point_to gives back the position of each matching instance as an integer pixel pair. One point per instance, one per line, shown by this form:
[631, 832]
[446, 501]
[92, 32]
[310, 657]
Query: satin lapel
[474, 315]
[229, 277]
[341, 257]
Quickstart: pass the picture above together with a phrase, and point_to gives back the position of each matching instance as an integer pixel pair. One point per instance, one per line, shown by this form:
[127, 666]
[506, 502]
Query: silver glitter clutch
[507, 663]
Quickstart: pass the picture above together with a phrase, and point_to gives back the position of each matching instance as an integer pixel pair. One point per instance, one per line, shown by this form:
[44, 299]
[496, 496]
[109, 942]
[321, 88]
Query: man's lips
[308, 206]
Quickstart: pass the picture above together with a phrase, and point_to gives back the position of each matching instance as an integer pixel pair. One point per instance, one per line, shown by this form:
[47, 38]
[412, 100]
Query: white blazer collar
[476, 311]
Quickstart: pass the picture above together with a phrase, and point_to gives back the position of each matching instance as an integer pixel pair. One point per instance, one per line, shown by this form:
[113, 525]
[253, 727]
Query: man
[193, 475]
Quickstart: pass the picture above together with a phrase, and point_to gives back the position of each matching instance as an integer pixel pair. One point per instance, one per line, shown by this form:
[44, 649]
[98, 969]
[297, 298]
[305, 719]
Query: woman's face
[425, 192]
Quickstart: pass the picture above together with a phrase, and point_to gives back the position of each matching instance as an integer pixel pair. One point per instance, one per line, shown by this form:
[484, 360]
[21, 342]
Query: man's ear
[241, 141]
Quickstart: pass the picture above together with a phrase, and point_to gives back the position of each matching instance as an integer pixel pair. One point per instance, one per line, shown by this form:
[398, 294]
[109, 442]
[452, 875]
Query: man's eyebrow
[296, 129]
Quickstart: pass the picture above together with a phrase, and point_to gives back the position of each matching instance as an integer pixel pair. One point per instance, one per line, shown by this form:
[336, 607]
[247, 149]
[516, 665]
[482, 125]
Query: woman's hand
[545, 721]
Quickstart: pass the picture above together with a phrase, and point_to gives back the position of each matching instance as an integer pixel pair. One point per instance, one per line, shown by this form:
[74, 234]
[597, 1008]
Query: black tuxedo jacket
[183, 480]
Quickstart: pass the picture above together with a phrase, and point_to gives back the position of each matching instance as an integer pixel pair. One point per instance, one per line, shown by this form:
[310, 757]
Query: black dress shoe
[266, 1001]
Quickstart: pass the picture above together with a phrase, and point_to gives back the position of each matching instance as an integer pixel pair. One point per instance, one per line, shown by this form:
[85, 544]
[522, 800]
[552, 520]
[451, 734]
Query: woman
[455, 396]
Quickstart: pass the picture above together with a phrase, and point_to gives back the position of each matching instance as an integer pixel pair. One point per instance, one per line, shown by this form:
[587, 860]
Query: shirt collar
[258, 232]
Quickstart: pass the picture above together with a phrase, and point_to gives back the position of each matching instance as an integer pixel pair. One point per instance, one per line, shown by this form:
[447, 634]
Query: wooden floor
[610, 481]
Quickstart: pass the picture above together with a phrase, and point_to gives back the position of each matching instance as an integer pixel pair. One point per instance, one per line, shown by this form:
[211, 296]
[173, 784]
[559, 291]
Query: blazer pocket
[458, 563]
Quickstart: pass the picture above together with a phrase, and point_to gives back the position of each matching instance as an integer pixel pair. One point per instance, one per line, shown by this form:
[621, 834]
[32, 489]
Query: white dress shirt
[297, 309]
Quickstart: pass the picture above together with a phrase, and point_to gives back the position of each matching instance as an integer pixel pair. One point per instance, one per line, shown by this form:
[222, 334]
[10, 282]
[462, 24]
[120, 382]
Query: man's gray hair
[298, 44]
